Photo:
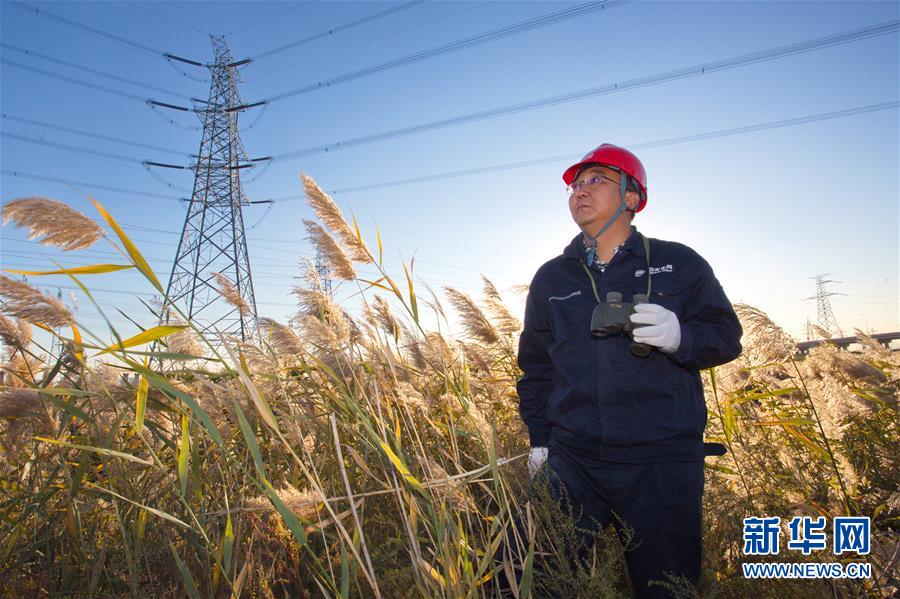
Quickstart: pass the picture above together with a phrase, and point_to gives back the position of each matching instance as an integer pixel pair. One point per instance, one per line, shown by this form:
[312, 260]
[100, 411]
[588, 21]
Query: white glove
[536, 459]
[661, 329]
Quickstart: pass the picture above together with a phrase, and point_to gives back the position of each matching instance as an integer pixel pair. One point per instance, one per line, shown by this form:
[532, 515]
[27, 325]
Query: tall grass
[367, 456]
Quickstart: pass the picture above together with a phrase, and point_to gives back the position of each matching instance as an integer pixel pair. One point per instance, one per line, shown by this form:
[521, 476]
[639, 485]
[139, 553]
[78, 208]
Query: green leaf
[376, 284]
[816, 449]
[140, 406]
[163, 385]
[149, 509]
[754, 396]
[401, 467]
[93, 269]
[184, 452]
[100, 450]
[787, 422]
[229, 544]
[157, 332]
[189, 584]
[66, 392]
[261, 405]
[380, 249]
[412, 293]
[292, 522]
[729, 422]
[132, 250]
[345, 572]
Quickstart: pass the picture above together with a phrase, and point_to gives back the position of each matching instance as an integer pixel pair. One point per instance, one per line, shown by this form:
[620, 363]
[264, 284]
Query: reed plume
[184, 341]
[231, 295]
[385, 317]
[504, 320]
[764, 341]
[61, 226]
[16, 334]
[329, 213]
[474, 321]
[17, 402]
[24, 301]
[282, 339]
[341, 266]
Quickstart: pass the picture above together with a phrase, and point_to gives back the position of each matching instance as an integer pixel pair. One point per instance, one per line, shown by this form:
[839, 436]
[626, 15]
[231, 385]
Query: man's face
[594, 204]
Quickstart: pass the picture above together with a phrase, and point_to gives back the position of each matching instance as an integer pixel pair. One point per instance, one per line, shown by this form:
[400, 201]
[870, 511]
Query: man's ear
[632, 200]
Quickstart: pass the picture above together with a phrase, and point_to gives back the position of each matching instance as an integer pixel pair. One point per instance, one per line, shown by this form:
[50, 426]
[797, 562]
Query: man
[619, 418]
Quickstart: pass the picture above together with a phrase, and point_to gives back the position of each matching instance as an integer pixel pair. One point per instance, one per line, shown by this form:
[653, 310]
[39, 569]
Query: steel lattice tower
[825, 315]
[212, 240]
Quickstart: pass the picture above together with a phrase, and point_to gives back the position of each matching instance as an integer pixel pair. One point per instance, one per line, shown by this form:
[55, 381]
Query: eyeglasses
[588, 183]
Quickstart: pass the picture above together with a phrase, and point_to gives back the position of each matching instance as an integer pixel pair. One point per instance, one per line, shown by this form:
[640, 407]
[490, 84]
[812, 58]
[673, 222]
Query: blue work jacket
[593, 395]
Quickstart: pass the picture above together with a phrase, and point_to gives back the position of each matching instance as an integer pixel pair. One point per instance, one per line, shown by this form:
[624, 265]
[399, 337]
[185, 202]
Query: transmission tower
[825, 316]
[323, 271]
[212, 240]
[56, 345]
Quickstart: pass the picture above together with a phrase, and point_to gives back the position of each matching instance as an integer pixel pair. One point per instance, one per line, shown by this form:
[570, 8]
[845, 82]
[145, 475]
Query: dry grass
[27, 303]
[231, 295]
[341, 266]
[331, 216]
[371, 457]
[60, 225]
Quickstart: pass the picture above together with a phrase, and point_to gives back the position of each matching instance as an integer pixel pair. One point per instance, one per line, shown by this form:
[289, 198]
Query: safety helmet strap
[623, 207]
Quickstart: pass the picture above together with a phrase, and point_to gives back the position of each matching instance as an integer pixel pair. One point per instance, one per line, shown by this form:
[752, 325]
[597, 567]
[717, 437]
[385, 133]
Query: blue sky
[768, 208]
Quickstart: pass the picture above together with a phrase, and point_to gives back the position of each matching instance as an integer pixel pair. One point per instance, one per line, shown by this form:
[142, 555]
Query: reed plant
[370, 455]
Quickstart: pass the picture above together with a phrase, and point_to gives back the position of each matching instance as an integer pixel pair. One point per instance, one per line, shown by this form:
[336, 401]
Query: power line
[521, 27]
[99, 73]
[68, 148]
[609, 88]
[651, 144]
[272, 16]
[337, 29]
[142, 6]
[95, 86]
[78, 184]
[118, 140]
[363, 43]
[54, 17]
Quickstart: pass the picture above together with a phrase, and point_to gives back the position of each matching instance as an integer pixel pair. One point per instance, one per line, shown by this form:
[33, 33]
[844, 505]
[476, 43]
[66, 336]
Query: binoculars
[612, 317]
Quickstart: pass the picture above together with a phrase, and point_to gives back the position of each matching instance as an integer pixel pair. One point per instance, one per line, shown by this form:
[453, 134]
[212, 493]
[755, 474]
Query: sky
[776, 168]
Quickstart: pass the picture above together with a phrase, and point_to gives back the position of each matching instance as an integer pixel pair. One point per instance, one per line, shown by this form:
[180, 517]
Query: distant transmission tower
[323, 270]
[212, 240]
[56, 345]
[825, 316]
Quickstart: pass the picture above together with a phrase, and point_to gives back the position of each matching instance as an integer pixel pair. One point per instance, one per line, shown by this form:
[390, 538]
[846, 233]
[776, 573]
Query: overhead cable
[68, 148]
[337, 29]
[72, 80]
[117, 140]
[77, 184]
[73, 65]
[643, 145]
[54, 17]
[142, 6]
[351, 47]
[269, 17]
[609, 88]
[523, 26]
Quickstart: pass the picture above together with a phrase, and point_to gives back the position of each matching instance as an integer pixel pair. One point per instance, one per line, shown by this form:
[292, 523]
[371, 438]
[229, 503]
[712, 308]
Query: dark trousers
[661, 503]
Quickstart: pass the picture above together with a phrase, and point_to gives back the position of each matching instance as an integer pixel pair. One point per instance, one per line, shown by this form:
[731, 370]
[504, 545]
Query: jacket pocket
[667, 295]
[570, 315]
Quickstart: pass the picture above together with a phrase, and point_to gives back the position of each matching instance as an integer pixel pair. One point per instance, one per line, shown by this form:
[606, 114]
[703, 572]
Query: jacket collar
[633, 244]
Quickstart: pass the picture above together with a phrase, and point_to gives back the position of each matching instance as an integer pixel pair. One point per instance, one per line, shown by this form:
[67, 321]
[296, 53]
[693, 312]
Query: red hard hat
[620, 158]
